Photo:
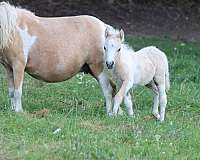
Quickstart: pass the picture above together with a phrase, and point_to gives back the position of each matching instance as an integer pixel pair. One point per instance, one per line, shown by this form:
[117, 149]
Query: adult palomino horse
[50, 49]
[148, 66]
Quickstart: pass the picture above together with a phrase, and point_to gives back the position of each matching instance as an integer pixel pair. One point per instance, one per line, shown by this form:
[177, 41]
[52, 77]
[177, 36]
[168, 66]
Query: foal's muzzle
[110, 64]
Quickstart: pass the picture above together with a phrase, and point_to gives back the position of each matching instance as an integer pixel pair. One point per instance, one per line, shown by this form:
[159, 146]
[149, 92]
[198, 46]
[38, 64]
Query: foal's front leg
[18, 74]
[126, 85]
[128, 103]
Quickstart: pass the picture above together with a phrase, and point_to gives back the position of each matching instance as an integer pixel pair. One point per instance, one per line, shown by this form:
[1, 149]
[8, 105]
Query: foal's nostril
[110, 64]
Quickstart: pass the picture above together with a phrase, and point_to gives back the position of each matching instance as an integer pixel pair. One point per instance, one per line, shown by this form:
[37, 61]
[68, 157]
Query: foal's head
[113, 41]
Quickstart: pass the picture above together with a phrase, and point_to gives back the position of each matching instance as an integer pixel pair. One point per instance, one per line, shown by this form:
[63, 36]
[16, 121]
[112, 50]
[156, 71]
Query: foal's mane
[127, 48]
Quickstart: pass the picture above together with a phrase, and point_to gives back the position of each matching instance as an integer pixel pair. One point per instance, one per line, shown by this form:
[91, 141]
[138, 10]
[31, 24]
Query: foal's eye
[104, 48]
[119, 50]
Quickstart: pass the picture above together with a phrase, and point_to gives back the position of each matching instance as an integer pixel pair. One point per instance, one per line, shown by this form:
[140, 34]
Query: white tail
[167, 81]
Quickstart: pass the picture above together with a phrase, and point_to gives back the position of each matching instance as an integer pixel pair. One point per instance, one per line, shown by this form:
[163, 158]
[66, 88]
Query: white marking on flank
[27, 40]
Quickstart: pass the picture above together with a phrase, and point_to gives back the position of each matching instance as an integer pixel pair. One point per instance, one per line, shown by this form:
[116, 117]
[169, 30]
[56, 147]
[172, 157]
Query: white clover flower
[182, 44]
[57, 131]
[157, 136]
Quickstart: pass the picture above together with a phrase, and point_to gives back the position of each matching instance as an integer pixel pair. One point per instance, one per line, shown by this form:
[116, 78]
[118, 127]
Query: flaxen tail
[8, 20]
[167, 80]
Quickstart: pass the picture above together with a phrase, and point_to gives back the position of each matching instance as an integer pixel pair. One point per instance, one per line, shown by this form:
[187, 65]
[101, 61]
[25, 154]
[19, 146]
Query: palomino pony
[148, 66]
[50, 49]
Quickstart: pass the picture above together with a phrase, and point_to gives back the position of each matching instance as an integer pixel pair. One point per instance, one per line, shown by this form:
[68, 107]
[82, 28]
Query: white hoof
[12, 108]
[110, 114]
[120, 112]
[131, 115]
[18, 110]
[161, 119]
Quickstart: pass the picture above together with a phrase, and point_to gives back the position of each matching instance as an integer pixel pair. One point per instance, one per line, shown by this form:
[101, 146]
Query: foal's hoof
[18, 110]
[131, 115]
[161, 119]
[110, 114]
[156, 115]
[120, 112]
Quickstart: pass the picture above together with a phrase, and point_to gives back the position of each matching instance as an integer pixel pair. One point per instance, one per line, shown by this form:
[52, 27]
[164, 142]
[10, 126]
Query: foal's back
[154, 62]
[145, 64]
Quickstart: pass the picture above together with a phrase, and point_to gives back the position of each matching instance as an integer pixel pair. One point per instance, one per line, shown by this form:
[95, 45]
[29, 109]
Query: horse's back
[63, 45]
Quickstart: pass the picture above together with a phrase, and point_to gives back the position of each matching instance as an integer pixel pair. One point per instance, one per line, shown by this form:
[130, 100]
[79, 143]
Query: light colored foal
[146, 67]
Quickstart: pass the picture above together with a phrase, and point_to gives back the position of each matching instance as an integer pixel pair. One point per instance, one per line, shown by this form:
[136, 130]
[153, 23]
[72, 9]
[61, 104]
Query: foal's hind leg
[152, 85]
[162, 101]
[154, 88]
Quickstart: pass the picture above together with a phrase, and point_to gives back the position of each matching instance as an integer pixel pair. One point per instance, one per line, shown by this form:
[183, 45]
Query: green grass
[77, 107]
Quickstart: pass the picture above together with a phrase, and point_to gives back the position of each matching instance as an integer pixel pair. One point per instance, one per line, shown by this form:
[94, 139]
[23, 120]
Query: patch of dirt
[94, 126]
[165, 18]
[43, 113]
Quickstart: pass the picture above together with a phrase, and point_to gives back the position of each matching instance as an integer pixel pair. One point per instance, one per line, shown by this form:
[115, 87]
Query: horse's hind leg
[18, 74]
[10, 86]
[102, 77]
[107, 91]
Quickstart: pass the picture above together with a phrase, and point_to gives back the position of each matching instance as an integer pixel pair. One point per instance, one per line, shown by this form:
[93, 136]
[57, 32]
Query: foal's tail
[167, 81]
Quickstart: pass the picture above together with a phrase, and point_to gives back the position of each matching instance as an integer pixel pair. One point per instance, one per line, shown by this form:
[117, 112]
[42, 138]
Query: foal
[147, 67]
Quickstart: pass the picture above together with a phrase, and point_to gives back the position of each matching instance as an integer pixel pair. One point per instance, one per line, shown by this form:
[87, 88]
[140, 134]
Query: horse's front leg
[18, 74]
[107, 90]
[125, 87]
[10, 86]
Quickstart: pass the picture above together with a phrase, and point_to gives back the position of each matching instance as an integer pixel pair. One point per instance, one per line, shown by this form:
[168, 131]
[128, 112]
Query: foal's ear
[121, 35]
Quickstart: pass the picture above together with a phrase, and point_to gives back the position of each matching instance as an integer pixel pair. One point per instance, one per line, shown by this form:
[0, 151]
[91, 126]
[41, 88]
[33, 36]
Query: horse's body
[146, 67]
[50, 49]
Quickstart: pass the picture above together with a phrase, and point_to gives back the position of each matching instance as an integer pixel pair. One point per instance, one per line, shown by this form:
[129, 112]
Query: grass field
[77, 108]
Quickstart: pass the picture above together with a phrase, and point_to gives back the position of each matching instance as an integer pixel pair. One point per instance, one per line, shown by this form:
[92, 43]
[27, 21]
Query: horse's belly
[54, 73]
